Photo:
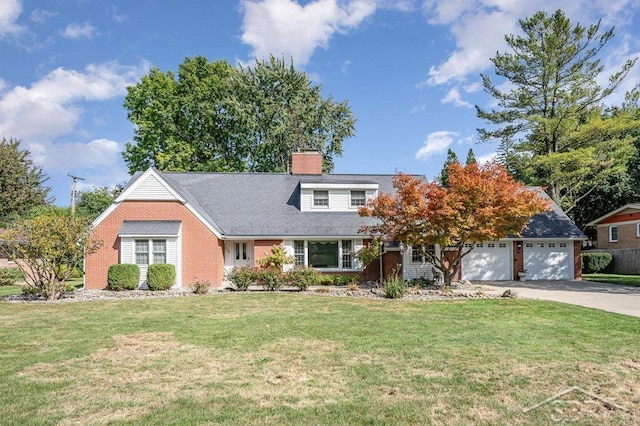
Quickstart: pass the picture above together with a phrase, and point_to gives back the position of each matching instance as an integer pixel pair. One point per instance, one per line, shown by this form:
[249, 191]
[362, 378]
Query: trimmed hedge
[592, 263]
[123, 276]
[161, 276]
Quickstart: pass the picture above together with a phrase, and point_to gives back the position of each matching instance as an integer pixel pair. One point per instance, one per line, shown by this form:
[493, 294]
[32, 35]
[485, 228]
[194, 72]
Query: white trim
[611, 240]
[150, 172]
[327, 186]
[351, 206]
[638, 229]
[613, 213]
[626, 222]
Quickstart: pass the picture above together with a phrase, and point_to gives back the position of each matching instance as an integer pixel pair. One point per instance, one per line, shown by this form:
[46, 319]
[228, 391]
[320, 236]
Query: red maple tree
[480, 203]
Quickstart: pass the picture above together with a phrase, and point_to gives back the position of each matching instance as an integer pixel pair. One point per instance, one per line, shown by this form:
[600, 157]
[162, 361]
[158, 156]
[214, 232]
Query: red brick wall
[518, 259]
[577, 264]
[263, 247]
[390, 260]
[202, 251]
[626, 237]
[306, 163]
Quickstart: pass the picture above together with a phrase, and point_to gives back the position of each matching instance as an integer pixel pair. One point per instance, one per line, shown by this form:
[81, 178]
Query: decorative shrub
[394, 286]
[344, 279]
[201, 287]
[242, 277]
[302, 277]
[592, 263]
[272, 279]
[161, 276]
[76, 273]
[124, 276]
[276, 259]
[353, 286]
[10, 276]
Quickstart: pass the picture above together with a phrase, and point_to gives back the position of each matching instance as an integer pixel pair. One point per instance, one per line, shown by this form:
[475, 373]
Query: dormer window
[320, 198]
[358, 198]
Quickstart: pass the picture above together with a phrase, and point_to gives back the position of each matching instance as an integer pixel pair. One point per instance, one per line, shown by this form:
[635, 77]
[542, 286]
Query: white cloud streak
[76, 31]
[10, 10]
[436, 143]
[286, 28]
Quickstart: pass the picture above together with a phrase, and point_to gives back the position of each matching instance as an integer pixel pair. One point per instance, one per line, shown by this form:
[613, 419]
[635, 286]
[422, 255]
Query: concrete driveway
[608, 297]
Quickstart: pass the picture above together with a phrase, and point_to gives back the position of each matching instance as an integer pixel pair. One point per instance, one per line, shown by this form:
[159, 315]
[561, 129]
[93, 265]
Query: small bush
[76, 273]
[344, 279]
[201, 287]
[242, 277]
[10, 276]
[302, 277]
[69, 288]
[276, 259]
[161, 276]
[353, 286]
[592, 263]
[271, 278]
[394, 286]
[124, 276]
[325, 279]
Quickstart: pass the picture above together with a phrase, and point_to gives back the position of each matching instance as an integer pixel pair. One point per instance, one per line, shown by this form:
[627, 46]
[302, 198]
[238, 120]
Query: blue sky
[410, 69]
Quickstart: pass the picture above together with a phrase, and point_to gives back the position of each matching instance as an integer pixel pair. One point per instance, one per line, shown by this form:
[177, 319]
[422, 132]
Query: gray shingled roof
[268, 204]
[150, 227]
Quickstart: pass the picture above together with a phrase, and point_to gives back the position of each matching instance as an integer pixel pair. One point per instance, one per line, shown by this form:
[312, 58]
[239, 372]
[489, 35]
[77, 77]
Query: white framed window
[528, 245]
[320, 198]
[298, 252]
[540, 245]
[142, 252]
[563, 245]
[358, 198]
[491, 245]
[150, 251]
[416, 253]
[324, 254]
[613, 234]
[552, 245]
[638, 229]
[502, 245]
[479, 245]
[159, 251]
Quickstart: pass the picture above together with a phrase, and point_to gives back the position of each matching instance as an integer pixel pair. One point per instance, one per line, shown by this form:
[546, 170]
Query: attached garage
[488, 261]
[548, 260]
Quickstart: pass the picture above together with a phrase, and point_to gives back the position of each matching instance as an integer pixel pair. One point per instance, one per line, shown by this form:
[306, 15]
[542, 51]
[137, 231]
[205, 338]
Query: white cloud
[487, 158]
[436, 143]
[10, 10]
[286, 28]
[76, 31]
[40, 16]
[478, 28]
[418, 108]
[51, 108]
[453, 97]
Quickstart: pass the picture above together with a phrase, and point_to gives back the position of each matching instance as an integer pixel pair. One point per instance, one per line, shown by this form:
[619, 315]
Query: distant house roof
[149, 228]
[609, 217]
[268, 205]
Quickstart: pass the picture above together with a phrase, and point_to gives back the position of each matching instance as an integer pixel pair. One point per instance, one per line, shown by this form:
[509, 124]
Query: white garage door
[488, 261]
[549, 260]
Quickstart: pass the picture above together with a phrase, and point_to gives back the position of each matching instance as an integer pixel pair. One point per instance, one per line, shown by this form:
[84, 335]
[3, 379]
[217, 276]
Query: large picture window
[323, 254]
[337, 254]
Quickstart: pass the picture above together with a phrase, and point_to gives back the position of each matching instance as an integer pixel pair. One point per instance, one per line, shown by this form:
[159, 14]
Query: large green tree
[214, 117]
[93, 203]
[21, 182]
[552, 103]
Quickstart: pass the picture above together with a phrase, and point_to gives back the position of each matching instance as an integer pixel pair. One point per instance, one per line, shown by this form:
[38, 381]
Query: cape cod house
[207, 223]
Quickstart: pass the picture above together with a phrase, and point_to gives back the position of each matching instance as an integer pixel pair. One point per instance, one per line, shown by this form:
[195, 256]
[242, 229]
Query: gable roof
[264, 205]
[553, 223]
[630, 206]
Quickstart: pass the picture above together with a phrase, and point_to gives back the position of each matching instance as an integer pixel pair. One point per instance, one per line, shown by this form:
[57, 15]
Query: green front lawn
[633, 280]
[6, 290]
[274, 358]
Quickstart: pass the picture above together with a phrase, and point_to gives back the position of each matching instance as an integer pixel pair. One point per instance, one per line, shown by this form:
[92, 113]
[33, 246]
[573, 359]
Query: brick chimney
[306, 163]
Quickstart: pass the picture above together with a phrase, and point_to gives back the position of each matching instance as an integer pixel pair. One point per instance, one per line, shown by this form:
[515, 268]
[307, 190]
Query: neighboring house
[207, 223]
[619, 229]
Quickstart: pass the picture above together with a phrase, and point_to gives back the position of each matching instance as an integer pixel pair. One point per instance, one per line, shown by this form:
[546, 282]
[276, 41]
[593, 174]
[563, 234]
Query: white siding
[126, 250]
[174, 256]
[288, 247]
[414, 270]
[339, 200]
[151, 189]
[357, 246]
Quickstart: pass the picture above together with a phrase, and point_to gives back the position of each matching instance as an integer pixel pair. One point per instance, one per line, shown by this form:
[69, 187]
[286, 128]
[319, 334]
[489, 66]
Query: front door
[241, 254]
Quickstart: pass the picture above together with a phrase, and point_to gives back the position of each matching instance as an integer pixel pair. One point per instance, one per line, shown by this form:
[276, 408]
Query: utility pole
[74, 192]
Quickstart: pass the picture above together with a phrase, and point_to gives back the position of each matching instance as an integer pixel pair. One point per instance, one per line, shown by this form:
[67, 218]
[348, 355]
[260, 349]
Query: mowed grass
[633, 280]
[293, 359]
